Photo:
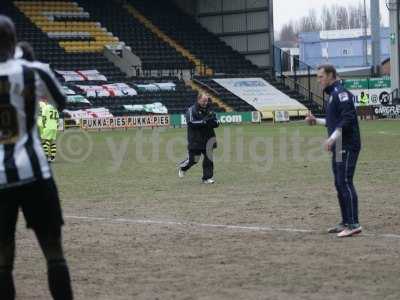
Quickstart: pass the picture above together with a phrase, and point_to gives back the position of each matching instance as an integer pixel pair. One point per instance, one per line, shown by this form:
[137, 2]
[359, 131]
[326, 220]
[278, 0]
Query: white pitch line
[220, 226]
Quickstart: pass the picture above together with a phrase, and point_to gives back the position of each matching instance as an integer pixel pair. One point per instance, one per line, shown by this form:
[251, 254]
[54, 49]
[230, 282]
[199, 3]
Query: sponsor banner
[260, 94]
[72, 77]
[234, 118]
[126, 122]
[255, 117]
[391, 111]
[176, 120]
[156, 108]
[356, 84]
[281, 116]
[94, 90]
[82, 75]
[223, 118]
[154, 87]
[166, 86]
[68, 91]
[77, 99]
[77, 115]
[380, 83]
[92, 75]
[108, 90]
[369, 91]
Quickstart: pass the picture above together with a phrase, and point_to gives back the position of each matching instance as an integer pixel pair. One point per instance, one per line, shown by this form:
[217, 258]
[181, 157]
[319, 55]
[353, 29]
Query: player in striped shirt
[26, 180]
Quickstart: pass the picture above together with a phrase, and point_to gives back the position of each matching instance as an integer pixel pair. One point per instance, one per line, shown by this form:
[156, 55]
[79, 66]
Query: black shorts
[39, 203]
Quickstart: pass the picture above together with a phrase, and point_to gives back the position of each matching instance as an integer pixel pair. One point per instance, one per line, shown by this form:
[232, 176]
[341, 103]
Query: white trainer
[209, 181]
[350, 232]
[181, 173]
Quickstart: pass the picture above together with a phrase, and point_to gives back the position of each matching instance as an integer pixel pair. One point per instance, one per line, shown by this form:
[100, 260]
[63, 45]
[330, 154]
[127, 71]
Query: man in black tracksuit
[344, 143]
[201, 122]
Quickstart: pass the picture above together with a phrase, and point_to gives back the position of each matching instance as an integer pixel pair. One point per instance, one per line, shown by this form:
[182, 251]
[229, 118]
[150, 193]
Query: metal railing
[289, 69]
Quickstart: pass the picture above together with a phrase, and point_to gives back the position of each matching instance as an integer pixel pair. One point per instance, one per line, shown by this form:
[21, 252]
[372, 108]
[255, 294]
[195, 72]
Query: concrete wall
[245, 25]
[188, 6]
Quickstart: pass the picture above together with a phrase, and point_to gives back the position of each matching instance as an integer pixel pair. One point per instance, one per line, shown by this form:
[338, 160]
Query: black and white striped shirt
[22, 84]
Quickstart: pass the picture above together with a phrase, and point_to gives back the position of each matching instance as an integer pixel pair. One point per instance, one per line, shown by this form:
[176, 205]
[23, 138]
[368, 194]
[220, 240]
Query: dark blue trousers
[344, 166]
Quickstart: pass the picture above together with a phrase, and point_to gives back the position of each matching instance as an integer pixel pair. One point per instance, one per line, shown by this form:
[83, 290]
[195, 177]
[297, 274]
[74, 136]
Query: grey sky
[292, 10]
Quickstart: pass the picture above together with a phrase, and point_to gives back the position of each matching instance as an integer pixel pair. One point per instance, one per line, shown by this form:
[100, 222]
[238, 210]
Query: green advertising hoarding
[224, 118]
[376, 89]
[356, 84]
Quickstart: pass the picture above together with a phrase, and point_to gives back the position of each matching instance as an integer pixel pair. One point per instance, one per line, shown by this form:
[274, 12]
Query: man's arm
[312, 120]
[48, 86]
[335, 135]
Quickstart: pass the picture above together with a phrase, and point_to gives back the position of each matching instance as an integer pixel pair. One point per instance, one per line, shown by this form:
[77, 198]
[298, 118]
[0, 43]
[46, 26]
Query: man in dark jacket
[201, 122]
[344, 143]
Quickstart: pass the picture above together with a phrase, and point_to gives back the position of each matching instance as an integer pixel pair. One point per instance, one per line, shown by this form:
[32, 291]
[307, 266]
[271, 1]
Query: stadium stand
[58, 31]
[49, 50]
[52, 17]
[70, 36]
[211, 51]
[154, 53]
[187, 32]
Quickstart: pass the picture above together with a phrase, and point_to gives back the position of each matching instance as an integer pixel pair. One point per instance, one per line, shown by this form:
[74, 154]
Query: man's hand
[328, 145]
[310, 119]
[210, 117]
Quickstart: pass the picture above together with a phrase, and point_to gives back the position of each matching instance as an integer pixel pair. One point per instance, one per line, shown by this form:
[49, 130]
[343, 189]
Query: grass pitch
[134, 230]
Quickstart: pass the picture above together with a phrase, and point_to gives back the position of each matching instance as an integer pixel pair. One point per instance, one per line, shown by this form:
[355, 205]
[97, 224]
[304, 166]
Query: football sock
[7, 289]
[46, 148]
[59, 280]
[53, 150]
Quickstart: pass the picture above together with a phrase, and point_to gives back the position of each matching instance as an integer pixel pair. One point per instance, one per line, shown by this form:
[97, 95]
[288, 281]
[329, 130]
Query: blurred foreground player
[344, 143]
[25, 51]
[25, 176]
